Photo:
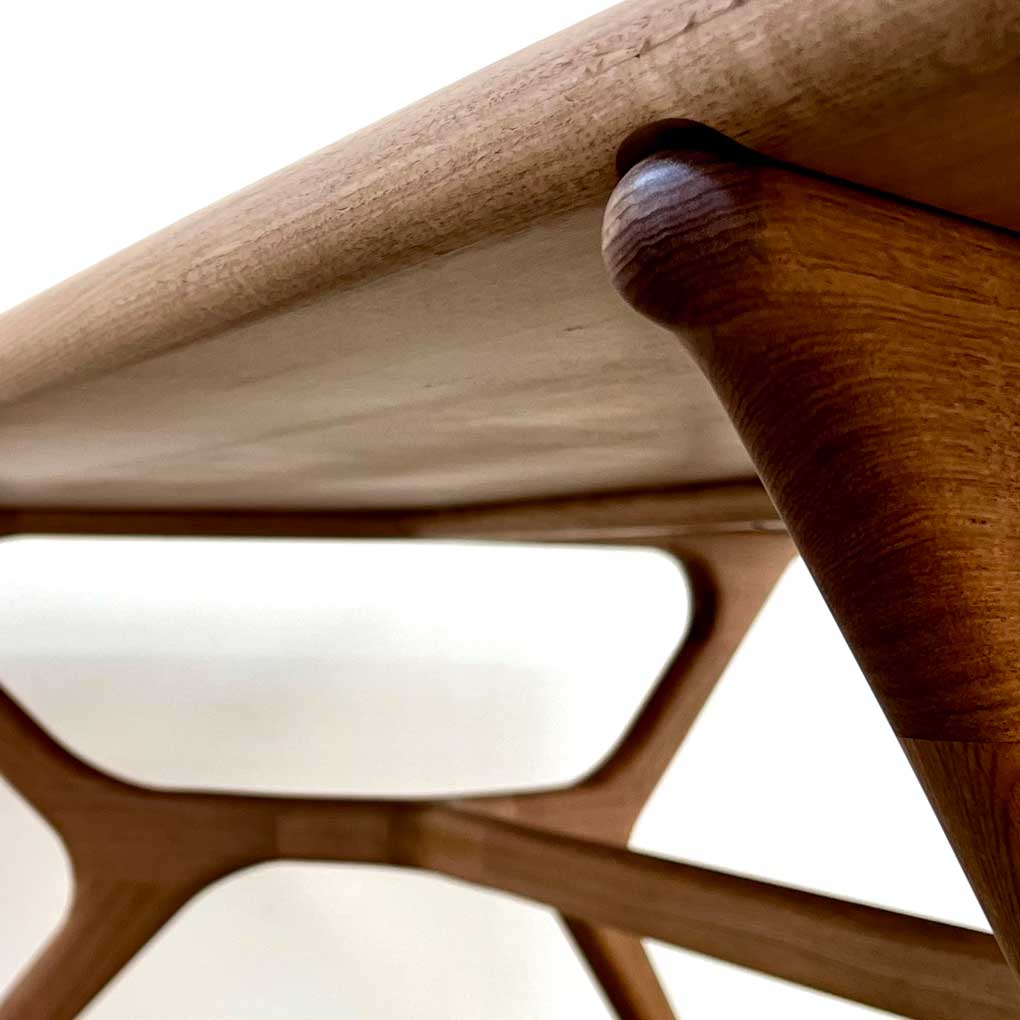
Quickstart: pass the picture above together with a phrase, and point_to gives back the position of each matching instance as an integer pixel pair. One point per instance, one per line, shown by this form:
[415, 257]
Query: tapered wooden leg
[620, 965]
[108, 923]
[868, 351]
[730, 577]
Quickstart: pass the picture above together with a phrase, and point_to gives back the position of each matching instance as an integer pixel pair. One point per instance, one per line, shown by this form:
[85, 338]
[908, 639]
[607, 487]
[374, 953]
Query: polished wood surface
[869, 354]
[415, 316]
[139, 854]
[481, 376]
[620, 965]
[730, 575]
[906, 965]
[732, 565]
[415, 321]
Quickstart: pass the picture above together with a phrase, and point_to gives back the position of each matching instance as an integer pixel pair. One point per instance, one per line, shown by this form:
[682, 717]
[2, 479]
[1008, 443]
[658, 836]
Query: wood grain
[139, 853]
[906, 965]
[415, 316]
[976, 786]
[732, 565]
[869, 354]
[107, 923]
[620, 965]
[730, 572]
[479, 377]
[730, 575]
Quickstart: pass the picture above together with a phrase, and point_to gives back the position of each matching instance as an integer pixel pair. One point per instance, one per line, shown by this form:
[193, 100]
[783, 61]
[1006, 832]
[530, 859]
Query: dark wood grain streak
[868, 351]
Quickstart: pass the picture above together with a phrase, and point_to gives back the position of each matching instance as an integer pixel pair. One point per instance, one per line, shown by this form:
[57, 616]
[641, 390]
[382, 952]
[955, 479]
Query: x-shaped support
[139, 854]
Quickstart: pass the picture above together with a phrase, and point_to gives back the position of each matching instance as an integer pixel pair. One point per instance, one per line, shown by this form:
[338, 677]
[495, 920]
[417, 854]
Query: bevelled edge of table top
[916, 98]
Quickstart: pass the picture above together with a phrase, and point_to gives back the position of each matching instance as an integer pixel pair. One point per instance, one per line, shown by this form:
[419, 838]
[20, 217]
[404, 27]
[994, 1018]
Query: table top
[417, 316]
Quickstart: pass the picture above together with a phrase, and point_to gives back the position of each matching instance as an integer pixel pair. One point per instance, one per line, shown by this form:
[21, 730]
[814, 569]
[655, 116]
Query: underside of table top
[418, 315]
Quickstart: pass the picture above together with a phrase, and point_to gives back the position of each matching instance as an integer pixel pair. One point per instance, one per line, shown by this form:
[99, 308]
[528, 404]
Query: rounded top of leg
[685, 228]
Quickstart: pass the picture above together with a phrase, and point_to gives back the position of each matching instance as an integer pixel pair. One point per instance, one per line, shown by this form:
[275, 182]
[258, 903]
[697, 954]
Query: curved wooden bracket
[730, 577]
[868, 352]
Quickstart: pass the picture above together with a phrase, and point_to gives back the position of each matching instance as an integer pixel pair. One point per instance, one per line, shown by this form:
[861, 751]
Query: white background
[296, 667]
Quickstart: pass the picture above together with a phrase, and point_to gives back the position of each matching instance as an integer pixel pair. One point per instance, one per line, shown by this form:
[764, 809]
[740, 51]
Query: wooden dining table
[735, 279]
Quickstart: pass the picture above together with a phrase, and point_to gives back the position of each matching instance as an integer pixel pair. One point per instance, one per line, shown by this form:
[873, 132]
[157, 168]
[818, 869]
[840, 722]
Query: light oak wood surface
[416, 316]
[452, 383]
